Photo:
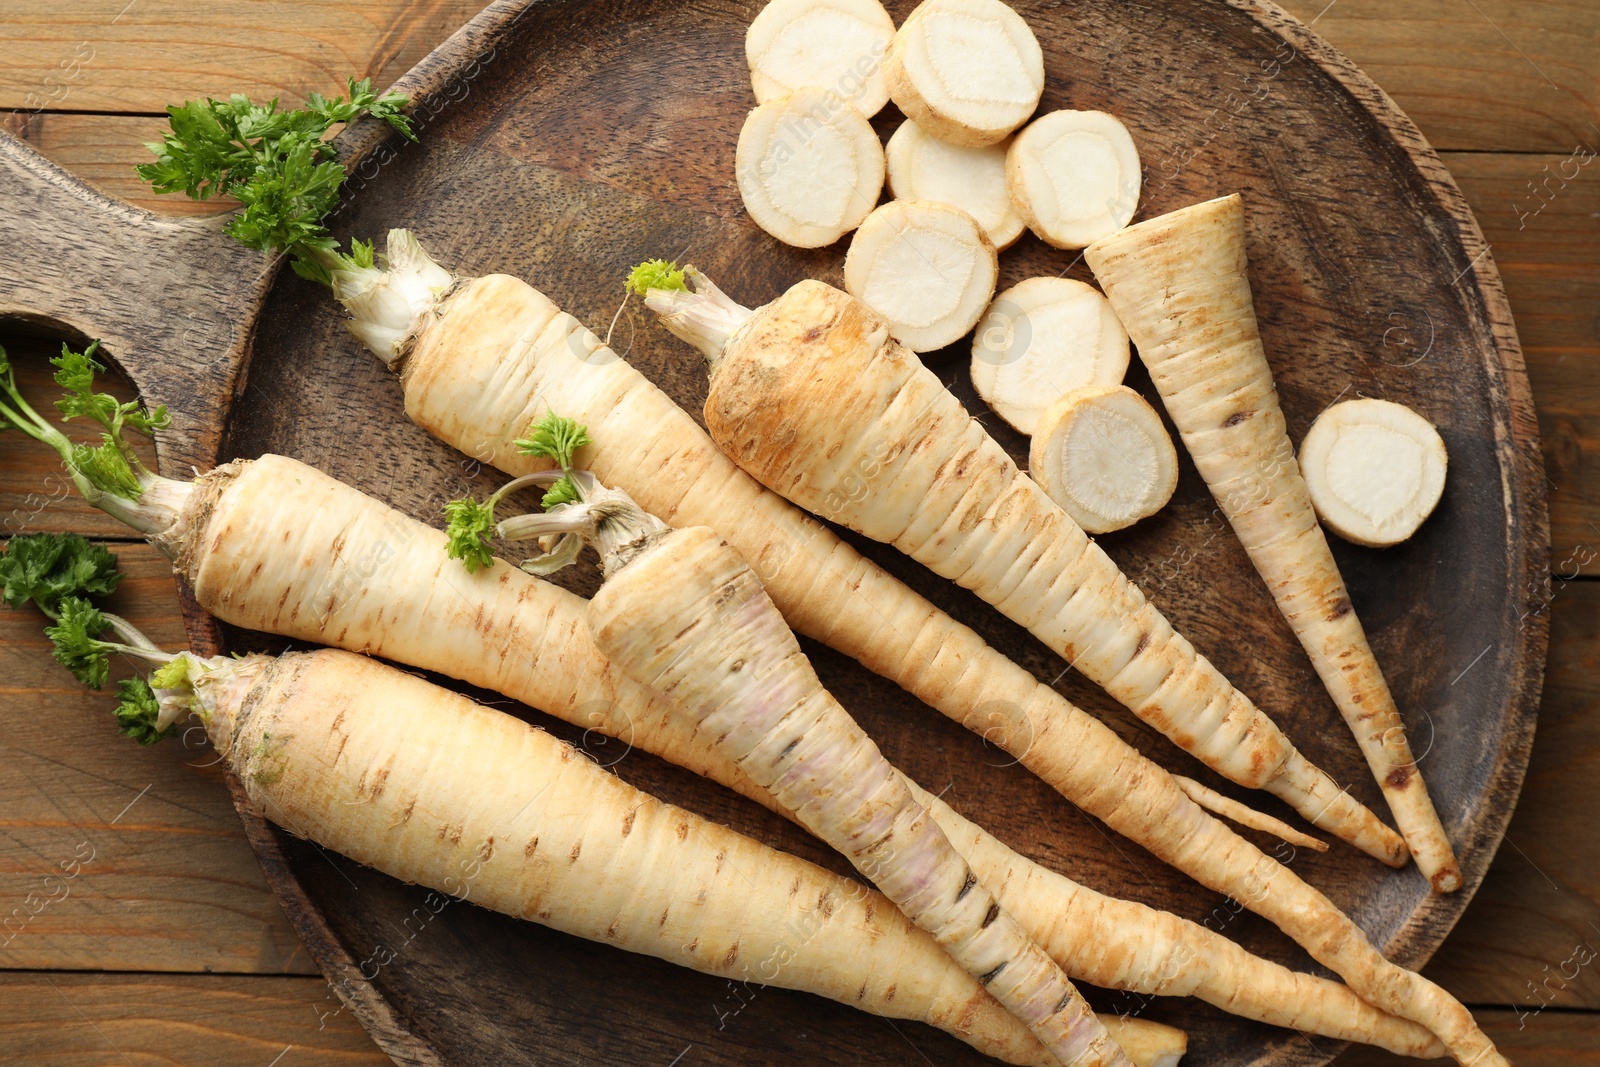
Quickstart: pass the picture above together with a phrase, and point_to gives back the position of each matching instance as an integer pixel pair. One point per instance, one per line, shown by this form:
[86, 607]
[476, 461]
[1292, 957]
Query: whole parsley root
[498, 329]
[1189, 266]
[818, 371]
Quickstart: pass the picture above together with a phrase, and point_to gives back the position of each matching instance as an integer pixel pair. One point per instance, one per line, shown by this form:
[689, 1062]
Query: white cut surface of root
[926, 268]
[967, 71]
[1104, 456]
[838, 45]
[1375, 470]
[922, 167]
[1074, 176]
[809, 167]
[1041, 339]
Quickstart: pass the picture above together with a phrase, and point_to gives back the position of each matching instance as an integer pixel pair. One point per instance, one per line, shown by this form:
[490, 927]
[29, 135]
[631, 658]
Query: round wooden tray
[565, 141]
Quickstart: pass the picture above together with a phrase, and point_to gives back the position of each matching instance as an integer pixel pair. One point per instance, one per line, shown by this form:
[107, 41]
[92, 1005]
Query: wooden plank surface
[98, 1020]
[173, 887]
[1497, 75]
[1482, 75]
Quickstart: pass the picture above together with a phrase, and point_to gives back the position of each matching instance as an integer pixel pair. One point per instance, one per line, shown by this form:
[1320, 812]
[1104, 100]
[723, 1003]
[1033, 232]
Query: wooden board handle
[171, 300]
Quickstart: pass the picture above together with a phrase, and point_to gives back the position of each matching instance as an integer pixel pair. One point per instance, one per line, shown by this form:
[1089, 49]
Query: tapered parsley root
[429, 787]
[1074, 176]
[967, 71]
[683, 614]
[809, 167]
[838, 45]
[922, 167]
[494, 354]
[1180, 286]
[1374, 469]
[926, 267]
[1103, 455]
[874, 440]
[1041, 339]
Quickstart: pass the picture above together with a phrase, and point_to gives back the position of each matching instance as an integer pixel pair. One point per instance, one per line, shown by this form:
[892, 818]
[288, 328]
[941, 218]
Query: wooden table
[166, 946]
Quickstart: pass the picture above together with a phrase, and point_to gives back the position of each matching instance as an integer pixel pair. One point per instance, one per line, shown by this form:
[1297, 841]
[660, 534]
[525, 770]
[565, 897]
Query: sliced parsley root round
[1375, 470]
[1103, 455]
[820, 44]
[928, 269]
[1074, 176]
[967, 71]
[1041, 339]
[809, 167]
[922, 167]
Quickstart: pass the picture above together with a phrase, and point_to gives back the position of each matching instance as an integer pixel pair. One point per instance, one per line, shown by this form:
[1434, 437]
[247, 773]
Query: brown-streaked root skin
[689, 619]
[427, 786]
[1189, 267]
[550, 663]
[924, 476]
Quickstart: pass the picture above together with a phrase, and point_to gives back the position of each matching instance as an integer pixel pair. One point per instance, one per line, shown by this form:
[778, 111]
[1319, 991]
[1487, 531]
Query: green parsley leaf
[79, 623]
[174, 674]
[656, 274]
[138, 711]
[278, 164]
[554, 437]
[45, 568]
[469, 529]
[563, 492]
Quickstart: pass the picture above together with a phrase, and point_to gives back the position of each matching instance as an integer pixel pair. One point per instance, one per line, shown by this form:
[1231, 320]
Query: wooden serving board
[566, 140]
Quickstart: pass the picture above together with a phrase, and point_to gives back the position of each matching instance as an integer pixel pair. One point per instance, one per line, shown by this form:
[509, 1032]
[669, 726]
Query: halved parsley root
[1074, 176]
[1180, 286]
[809, 167]
[1103, 455]
[927, 268]
[922, 167]
[873, 439]
[967, 71]
[683, 614]
[1145, 1043]
[261, 564]
[839, 45]
[1375, 470]
[1041, 339]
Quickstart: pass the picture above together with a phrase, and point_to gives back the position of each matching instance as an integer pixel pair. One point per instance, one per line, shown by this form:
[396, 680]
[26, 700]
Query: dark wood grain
[600, 133]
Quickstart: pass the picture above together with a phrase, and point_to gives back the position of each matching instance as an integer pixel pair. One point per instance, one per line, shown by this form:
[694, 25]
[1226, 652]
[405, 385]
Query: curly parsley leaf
[563, 492]
[656, 274]
[78, 624]
[46, 568]
[138, 711]
[470, 526]
[556, 438]
[278, 164]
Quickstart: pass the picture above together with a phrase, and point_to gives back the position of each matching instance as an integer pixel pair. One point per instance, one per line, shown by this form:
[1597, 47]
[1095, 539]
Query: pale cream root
[809, 167]
[922, 167]
[927, 268]
[688, 618]
[1041, 339]
[1375, 470]
[1103, 455]
[441, 618]
[967, 71]
[1181, 287]
[429, 787]
[838, 45]
[1244, 815]
[1074, 176]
